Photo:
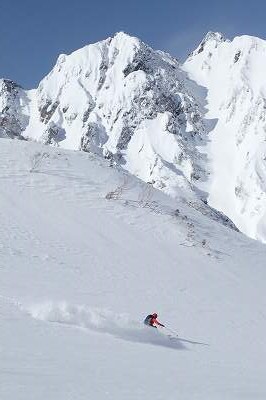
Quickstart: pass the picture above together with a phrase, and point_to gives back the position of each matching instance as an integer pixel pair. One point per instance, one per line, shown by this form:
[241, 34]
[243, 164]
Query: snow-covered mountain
[234, 75]
[121, 99]
[87, 249]
[199, 126]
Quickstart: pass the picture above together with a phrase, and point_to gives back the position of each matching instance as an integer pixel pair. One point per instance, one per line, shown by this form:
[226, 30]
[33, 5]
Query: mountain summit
[211, 40]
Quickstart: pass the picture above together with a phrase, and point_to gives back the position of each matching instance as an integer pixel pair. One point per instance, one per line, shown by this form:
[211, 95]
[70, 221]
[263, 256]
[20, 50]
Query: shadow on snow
[103, 321]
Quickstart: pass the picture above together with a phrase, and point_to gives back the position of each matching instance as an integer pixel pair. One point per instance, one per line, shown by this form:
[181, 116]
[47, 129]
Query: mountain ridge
[143, 110]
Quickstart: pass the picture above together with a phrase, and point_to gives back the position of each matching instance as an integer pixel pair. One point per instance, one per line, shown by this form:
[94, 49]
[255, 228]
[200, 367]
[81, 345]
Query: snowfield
[86, 252]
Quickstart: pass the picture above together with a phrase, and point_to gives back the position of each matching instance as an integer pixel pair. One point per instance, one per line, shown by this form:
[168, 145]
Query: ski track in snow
[103, 321]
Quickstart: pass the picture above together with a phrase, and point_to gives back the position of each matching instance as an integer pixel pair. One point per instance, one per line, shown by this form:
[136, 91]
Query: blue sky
[33, 32]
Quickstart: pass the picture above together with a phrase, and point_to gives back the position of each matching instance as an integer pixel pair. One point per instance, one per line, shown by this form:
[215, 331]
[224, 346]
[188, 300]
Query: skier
[151, 320]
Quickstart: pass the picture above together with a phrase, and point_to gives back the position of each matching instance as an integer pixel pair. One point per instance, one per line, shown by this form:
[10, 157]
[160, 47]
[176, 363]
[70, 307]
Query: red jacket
[154, 321]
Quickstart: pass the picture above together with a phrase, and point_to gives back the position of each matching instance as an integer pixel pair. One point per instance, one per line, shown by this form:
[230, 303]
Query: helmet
[155, 315]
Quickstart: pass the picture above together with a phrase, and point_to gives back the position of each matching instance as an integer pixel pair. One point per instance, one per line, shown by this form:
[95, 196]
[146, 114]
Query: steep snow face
[233, 73]
[127, 102]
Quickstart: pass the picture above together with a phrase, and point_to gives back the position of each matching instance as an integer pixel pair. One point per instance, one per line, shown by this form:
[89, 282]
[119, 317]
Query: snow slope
[86, 251]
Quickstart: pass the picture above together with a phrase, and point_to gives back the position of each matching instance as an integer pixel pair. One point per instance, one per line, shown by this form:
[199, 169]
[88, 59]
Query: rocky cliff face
[13, 100]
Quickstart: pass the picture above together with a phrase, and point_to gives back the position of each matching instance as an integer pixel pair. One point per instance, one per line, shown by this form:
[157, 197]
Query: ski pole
[172, 331]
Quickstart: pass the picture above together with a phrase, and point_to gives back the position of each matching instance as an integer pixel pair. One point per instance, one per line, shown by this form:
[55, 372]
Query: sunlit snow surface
[86, 252]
